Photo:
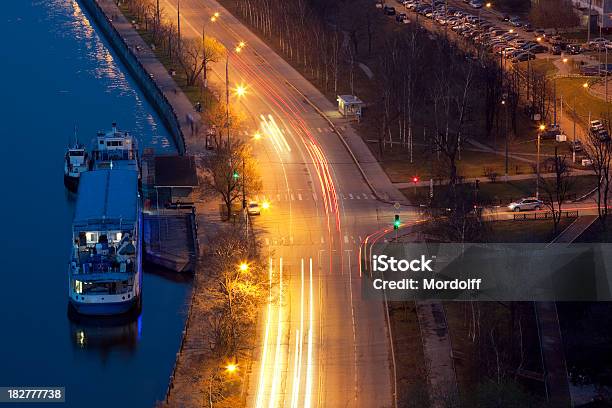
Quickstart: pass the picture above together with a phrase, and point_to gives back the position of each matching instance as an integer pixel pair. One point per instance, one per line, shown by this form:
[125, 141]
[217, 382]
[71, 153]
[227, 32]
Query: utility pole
[538, 168]
[204, 84]
[178, 23]
[227, 111]
[158, 14]
[589, 22]
[574, 147]
[555, 101]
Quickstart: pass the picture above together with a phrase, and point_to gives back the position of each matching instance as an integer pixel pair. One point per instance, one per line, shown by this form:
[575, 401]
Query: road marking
[292, 197]
[360, 239]
[314, 196]
[267, 241]
[322, 239]
[278, 197]
[357, 196]
[353, 239]
[291, 239]
[373, 196]
[346, 240]
[299, 197]
[319, 129]
[365, 196]
[350, 195]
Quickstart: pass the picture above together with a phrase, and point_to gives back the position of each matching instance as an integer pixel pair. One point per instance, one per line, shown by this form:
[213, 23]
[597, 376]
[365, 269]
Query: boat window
[77, 153]
[92, 237]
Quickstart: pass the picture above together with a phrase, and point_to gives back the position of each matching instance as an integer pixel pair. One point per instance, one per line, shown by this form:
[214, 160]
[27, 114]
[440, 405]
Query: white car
[253, 208]
[596, 125]
[526, 204]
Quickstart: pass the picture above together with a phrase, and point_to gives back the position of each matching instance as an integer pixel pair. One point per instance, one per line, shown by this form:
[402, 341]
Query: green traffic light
[397, 222]
[236, 175]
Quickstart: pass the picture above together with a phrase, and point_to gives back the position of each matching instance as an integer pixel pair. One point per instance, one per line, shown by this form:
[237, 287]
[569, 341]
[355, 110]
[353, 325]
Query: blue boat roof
[107, 197]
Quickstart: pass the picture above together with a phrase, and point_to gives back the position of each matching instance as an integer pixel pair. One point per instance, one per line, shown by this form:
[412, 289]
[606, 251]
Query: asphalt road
[321, 344]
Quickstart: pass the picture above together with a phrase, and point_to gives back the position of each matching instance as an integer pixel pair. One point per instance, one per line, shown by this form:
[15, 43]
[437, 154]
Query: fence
[544, 215]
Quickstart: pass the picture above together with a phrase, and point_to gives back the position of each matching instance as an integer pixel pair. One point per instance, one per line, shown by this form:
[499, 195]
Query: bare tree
[231, 173]
[556, 189]
[553, 14]
[599, 150]
[196, 55]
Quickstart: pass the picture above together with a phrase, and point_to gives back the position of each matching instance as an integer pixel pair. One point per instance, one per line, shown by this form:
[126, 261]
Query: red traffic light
[415, 179]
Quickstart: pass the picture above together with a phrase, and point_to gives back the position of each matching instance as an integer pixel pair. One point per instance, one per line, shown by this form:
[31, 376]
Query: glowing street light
[257, 136]
[585, 85]
[244, 267]
[241, 44]
[265, 205]
[240, 90]
[565, 60]
[488, 5]
[231, 368]
[237, 49]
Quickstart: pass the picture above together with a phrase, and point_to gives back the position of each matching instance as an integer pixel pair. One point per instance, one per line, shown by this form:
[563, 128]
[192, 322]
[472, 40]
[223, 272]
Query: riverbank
[198, 375]
[171, 104]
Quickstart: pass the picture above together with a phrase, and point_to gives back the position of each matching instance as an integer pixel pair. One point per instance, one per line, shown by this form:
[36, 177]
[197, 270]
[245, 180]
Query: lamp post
[541, 129]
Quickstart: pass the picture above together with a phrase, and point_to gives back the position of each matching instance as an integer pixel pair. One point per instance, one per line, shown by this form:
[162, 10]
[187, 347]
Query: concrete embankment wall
[147, 85]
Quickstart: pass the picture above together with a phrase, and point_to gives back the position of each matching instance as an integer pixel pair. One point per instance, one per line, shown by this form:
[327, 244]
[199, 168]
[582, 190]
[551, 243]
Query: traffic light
[397, 222]
[415, 179]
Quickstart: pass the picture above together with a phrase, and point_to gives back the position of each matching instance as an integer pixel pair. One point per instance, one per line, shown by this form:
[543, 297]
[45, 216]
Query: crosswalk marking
[292, 197]
[322, 239]
[365, 196]
[351, 196]
[267, 241]
[320, 131]
[373, 196]
[299, 197]
[346, 240]
[314, 196]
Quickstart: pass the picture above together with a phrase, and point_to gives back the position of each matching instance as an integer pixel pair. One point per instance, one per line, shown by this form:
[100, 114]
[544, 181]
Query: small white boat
[76, 161]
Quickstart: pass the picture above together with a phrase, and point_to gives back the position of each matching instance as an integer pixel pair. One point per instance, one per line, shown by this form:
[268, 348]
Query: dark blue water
[55, 73]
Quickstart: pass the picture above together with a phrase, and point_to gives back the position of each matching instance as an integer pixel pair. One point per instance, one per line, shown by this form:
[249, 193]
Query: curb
[346, 146]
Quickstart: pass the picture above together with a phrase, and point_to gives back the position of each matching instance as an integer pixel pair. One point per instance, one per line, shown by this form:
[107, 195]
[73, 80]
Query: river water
[58, 73]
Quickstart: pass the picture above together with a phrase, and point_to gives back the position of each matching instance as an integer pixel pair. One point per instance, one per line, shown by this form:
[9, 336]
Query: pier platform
[170, 238]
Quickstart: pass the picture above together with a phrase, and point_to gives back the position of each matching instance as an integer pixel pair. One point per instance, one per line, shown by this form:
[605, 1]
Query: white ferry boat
[105, 271]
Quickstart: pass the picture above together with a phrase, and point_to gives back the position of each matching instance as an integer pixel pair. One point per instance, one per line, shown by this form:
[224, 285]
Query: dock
[171, 239]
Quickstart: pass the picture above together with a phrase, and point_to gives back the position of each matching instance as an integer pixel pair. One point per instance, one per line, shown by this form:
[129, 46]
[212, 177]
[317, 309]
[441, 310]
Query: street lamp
[243, 268]
[240, 90]
[265, 205]
[231, 368]
[541, 129]
[257, 136]
[585, 85]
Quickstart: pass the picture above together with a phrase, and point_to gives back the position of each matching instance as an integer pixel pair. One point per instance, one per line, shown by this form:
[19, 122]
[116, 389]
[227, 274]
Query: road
[321, 344]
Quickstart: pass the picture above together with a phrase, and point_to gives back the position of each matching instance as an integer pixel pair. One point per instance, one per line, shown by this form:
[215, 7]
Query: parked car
[253, 208]
[596, 125]
[524, 56]
[576, 146]
[603, 135]
[555, 50]
[526, 204]
[573, 49]
[516, 22]
[389, 10]
[476, 4]
[401, 18]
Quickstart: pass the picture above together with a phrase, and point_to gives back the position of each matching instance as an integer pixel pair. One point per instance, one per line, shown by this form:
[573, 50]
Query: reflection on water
[105, 69]
[105, 335]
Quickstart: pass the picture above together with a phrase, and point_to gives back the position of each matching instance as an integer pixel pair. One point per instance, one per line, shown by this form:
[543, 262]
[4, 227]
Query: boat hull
[105, 309]
[71, 183]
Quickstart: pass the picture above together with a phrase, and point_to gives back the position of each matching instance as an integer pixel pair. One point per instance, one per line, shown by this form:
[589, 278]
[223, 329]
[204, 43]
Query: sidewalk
[500, 179]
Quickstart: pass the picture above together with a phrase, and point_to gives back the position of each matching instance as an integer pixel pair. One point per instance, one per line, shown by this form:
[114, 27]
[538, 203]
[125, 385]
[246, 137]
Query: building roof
[350, 99]
[107, 197]
[175, 171]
